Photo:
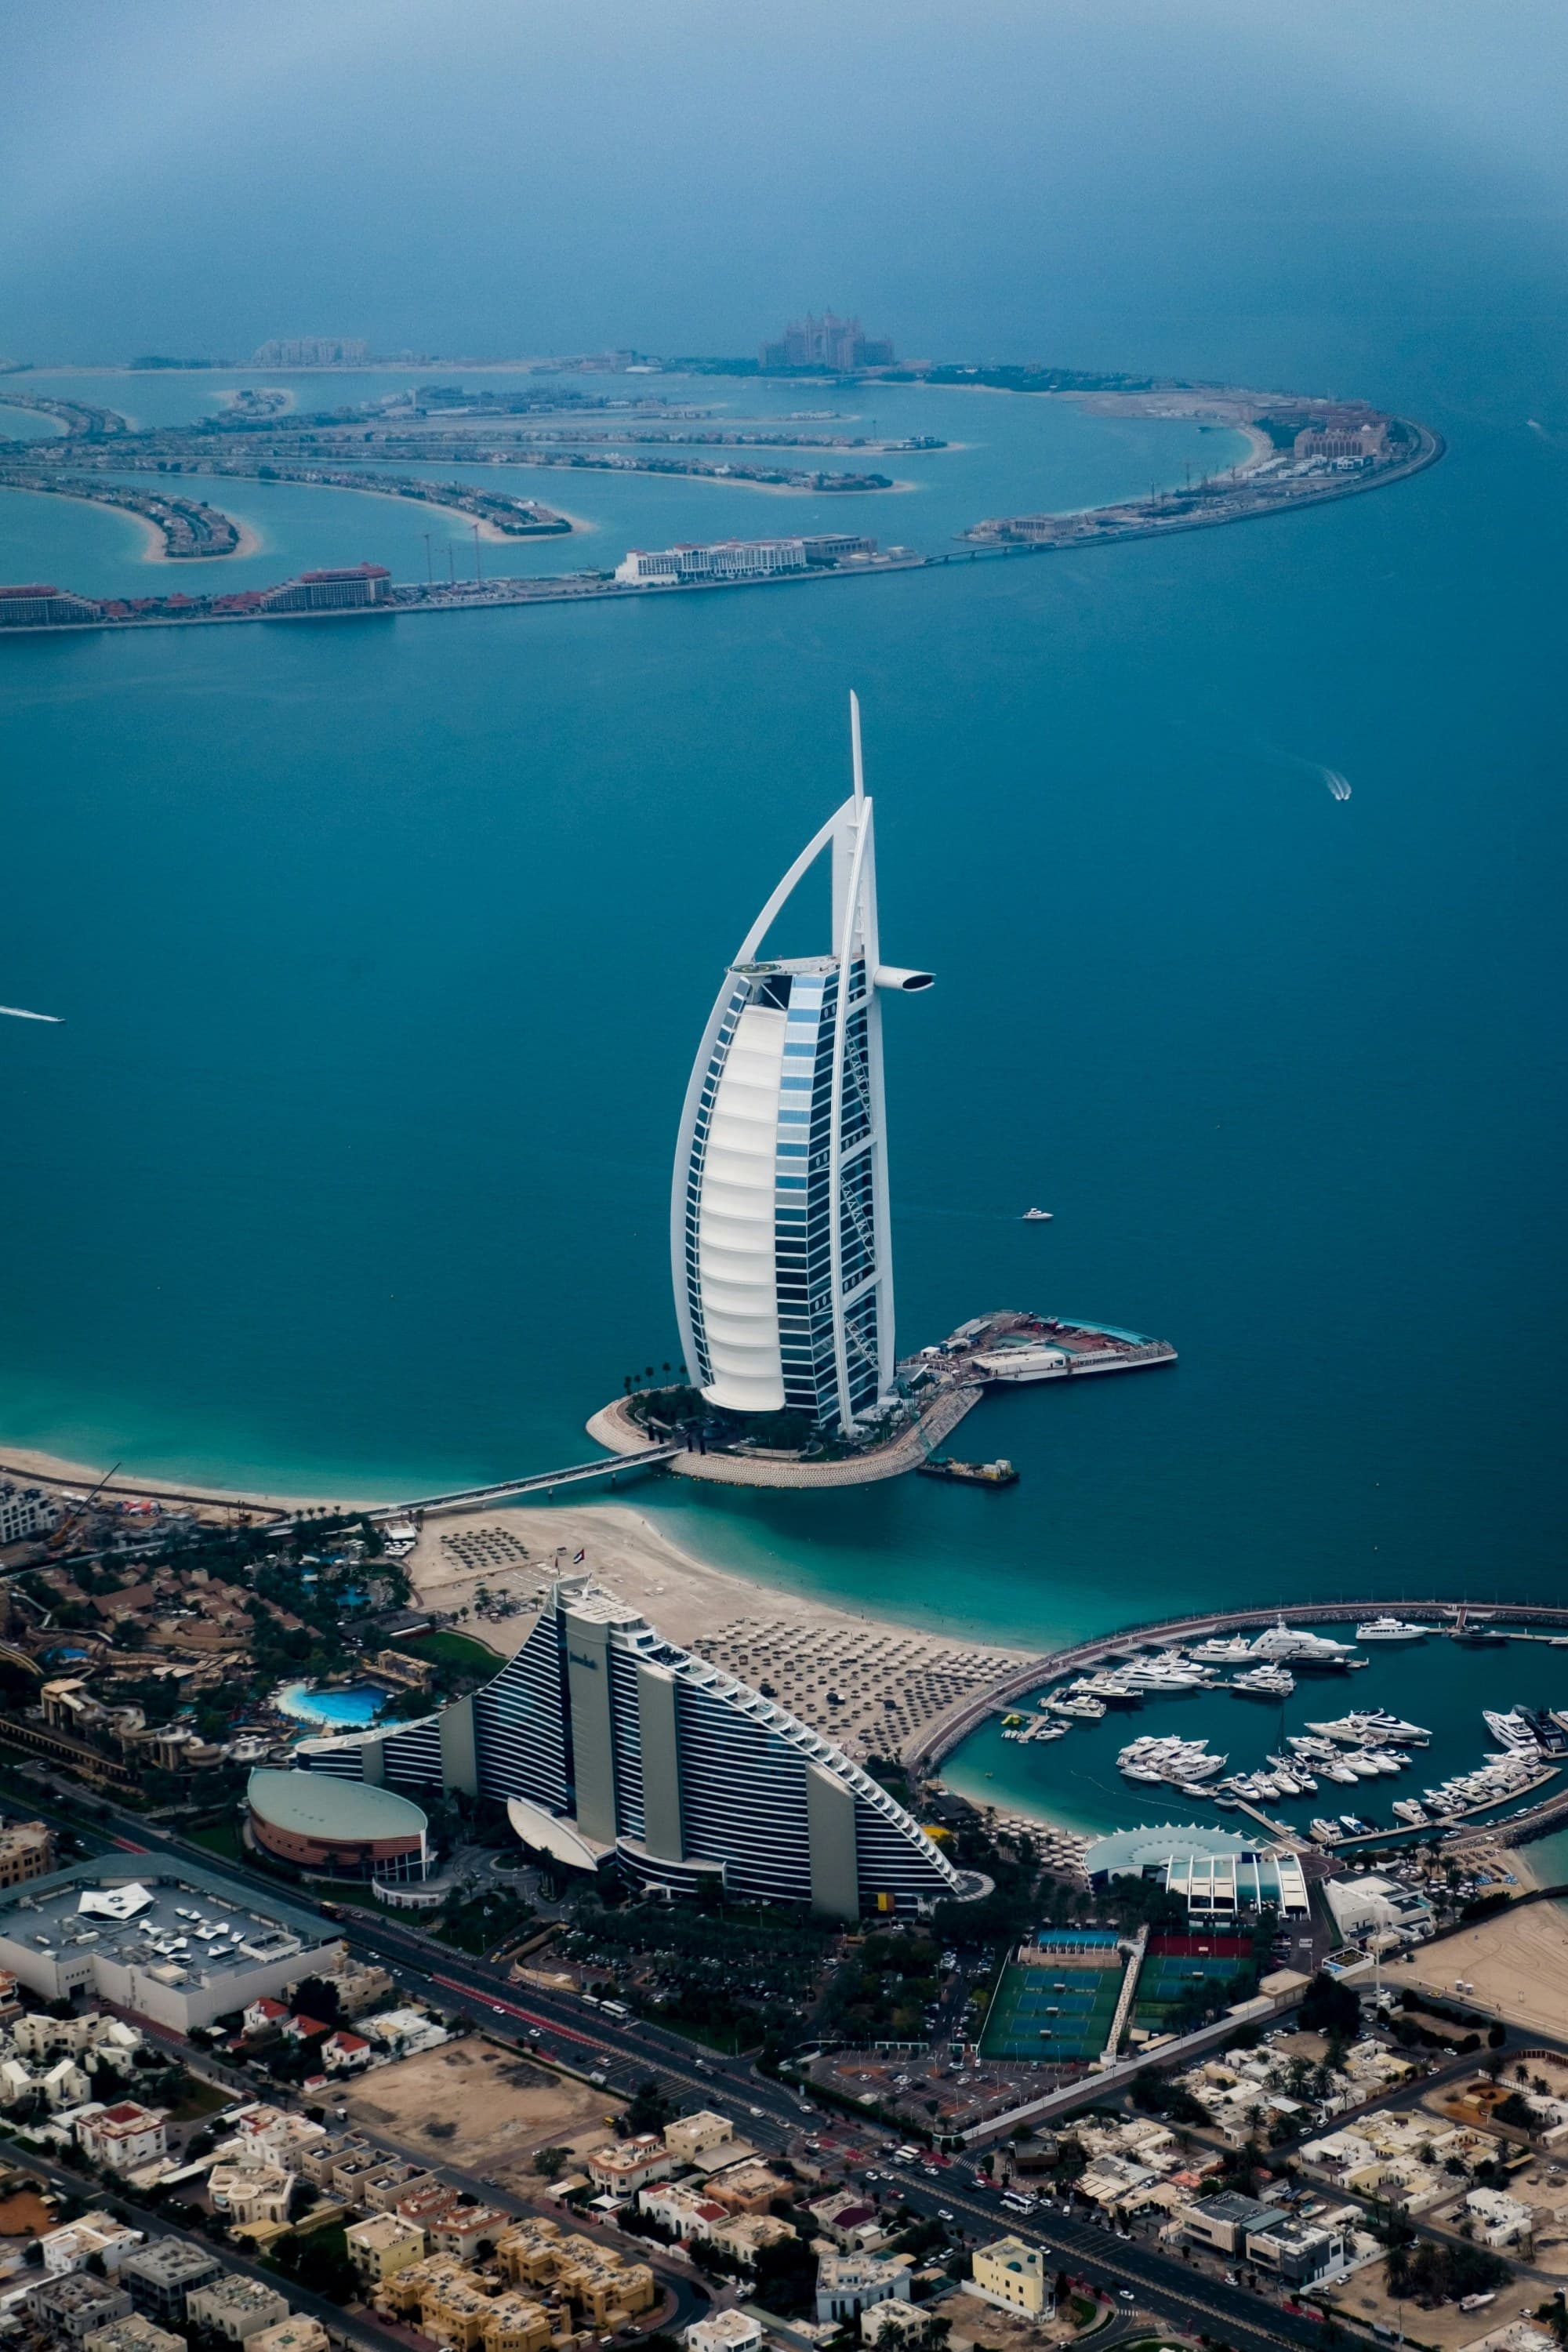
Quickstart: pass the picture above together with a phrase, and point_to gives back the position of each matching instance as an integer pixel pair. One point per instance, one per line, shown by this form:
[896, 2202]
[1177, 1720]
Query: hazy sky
[513, 176]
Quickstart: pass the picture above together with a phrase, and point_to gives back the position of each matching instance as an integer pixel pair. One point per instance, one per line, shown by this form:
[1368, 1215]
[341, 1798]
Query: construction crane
[56, 1543]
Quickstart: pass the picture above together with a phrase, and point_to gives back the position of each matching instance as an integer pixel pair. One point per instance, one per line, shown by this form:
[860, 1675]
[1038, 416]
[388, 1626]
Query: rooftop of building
[1146, 1848]
[180, 1926]
[170, 2263]
[1232, 2207]
[318, 1805]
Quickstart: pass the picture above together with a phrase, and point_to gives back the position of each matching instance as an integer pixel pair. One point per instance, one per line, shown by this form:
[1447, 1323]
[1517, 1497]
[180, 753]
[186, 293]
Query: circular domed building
[338, 1829]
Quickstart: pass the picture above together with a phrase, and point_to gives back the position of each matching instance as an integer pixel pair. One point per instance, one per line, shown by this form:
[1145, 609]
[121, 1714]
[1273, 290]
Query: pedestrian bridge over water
[608, 1470]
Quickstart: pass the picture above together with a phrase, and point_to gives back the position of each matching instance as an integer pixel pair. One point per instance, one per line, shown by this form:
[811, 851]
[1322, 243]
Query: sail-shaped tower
[779, 1242]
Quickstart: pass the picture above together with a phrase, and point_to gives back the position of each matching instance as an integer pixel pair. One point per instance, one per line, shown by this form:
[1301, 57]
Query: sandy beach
[1518, 1963]
[28, 1462]
[156, 551]
[868, 1683]
[368, 489]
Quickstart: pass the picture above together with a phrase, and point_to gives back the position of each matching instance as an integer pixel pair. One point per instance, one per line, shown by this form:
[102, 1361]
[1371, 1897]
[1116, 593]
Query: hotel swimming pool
[332, 1710]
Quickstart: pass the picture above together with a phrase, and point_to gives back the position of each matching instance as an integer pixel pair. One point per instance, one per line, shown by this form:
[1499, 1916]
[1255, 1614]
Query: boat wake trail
[1338, 784]
[14, 1012]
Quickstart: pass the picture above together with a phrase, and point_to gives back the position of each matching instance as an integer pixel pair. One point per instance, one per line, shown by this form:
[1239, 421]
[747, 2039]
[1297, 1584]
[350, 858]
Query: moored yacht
[1301, 1645]
[1392, 1629]
[1372, 1727]
[1265, 1682]
[1224, 1650]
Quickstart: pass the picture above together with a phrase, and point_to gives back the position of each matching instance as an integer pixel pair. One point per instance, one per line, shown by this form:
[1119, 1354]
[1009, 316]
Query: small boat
[969, 1474]
[1037, 1216]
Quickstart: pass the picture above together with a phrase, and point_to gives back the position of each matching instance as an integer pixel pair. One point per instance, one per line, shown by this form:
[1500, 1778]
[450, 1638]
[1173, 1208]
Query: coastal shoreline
[487, 530]
[249, 543]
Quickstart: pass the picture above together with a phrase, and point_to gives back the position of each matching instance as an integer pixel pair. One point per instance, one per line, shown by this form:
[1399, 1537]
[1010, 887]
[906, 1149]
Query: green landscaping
[452, 1650]
[221, 1838]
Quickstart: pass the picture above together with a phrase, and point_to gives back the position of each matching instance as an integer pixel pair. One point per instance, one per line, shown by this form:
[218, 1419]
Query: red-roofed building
[264, 2013]
[342, 2054]
[304, 2029]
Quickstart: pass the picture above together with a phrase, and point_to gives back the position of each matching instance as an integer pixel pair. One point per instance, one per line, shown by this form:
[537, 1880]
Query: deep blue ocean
[384, 950]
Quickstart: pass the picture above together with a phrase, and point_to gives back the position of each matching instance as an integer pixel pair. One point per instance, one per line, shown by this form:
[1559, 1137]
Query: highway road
[773, 2114]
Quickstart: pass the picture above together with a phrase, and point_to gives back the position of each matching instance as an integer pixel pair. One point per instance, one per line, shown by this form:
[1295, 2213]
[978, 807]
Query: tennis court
[1057, 2013]
[1175, 1965]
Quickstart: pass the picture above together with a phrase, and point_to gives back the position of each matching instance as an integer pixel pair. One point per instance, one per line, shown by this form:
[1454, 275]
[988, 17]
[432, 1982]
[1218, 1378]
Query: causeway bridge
[607, 1471]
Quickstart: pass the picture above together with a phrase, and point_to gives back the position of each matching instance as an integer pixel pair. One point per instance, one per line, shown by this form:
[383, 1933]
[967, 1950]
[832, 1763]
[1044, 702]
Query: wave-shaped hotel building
[609, 1744]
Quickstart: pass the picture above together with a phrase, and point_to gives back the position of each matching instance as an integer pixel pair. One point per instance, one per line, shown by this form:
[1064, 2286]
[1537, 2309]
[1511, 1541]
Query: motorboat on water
[1186, 1763]
[1265, 1682]
[1326, 1832]
[1301, 1645]
[1224, 1650]
[1409, 1810]
[1373, 1728]
[1114, 1689]
[1392, 1629]
[1079, 1705]
[1514, 1730]
[1037, 1216]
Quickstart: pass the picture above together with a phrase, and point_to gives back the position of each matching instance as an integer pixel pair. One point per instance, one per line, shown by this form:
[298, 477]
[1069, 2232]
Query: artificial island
[1302, 449]
[368, 1962]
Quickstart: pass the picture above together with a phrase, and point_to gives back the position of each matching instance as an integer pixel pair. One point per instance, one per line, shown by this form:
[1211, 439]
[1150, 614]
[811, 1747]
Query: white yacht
[1372, 1727]
[1301, 1645]
[1410, 1811]
[1224, 1650]
[1265, 1682]
[1162, 1673]
[1511, 1730]
[1390, 1628]
[1079, 1706]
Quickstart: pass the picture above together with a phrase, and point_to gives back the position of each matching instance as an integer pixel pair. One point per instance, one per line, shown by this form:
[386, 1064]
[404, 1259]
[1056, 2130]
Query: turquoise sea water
[383, 951]
[1004, 455]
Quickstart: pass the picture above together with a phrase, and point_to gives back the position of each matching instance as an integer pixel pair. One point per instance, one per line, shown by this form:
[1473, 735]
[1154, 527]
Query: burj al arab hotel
[779, 1240]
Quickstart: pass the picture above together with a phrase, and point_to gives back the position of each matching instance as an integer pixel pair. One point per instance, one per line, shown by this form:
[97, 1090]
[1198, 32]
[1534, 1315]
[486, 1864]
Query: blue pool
[332, 1710]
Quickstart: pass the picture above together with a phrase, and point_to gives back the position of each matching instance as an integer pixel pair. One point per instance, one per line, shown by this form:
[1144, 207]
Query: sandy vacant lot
[1366, 2293]
[1518, 1963]
[481, 2107]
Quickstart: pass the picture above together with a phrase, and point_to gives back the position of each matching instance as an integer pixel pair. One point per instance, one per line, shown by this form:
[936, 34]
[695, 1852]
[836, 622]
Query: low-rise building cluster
[524, 2286]
[1247, 2094]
